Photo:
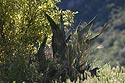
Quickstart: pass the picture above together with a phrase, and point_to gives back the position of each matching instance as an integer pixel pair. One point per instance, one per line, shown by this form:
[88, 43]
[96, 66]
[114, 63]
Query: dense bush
[23, 25]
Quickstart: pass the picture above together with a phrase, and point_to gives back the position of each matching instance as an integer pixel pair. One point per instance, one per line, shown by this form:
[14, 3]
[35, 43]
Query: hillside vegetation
[40, 43]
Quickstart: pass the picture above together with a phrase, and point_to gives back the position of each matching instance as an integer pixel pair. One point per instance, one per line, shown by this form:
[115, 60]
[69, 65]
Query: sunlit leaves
[22, 23]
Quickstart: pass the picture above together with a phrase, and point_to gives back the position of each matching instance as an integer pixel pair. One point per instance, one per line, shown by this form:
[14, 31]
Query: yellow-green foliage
[25, 18]
[22, 23]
